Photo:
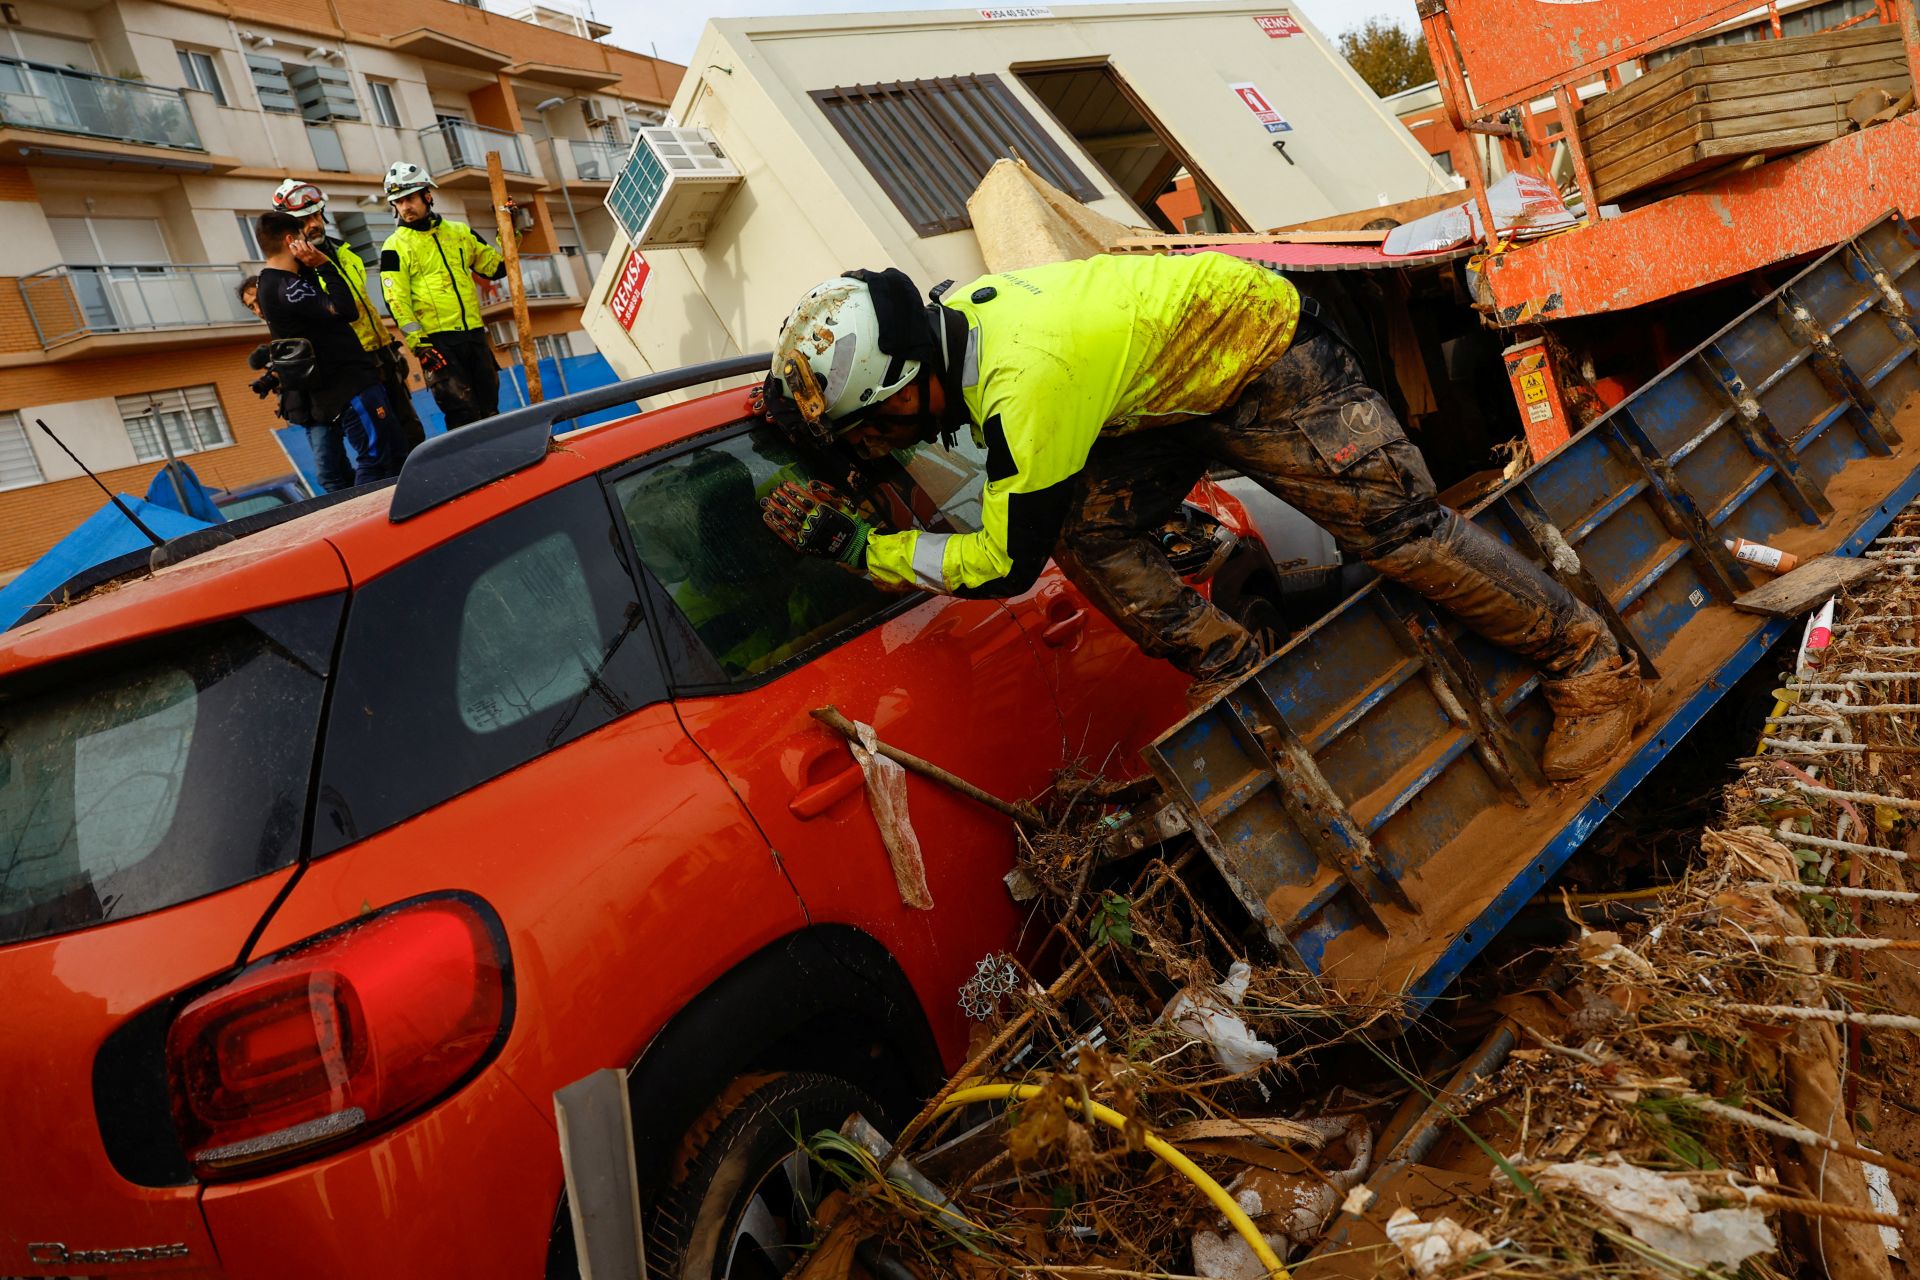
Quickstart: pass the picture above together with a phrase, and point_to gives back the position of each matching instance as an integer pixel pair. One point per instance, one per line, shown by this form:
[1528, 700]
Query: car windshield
[152, 774]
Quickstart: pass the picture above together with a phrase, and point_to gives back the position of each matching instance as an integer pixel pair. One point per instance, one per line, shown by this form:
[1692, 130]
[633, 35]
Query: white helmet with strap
[301, 199]
[404, 178]
[828, 358]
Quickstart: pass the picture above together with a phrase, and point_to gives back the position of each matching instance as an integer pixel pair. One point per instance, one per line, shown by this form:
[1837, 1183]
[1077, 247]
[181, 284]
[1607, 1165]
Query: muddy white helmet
[404, 178]
[301, 199]
[828, 358]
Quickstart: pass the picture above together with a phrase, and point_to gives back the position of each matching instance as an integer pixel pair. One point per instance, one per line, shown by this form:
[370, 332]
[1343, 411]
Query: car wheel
[1263, 620]
[742, 1205]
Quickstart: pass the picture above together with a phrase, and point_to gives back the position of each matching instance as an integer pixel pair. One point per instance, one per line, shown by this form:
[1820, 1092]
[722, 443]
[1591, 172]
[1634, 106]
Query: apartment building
[139, 137]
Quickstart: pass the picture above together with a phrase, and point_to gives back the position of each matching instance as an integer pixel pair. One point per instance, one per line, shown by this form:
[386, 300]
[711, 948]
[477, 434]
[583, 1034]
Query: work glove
[816, 519]
[432, 363]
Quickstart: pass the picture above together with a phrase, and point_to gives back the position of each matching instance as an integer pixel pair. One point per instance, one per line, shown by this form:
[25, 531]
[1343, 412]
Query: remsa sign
[625, 298]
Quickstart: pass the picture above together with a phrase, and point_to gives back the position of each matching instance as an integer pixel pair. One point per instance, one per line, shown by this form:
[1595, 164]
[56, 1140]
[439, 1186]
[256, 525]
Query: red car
[328, 852]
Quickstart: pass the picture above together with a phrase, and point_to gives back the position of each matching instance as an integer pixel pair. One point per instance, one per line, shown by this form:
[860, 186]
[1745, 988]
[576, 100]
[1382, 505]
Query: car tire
[1263, 620]
[741, 1205]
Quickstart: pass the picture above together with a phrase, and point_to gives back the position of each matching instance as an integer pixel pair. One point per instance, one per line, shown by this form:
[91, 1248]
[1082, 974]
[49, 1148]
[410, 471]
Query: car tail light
[339, 1036]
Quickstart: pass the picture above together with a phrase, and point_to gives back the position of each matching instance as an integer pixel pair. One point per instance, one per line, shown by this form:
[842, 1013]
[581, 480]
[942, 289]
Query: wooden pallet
[1710, 105]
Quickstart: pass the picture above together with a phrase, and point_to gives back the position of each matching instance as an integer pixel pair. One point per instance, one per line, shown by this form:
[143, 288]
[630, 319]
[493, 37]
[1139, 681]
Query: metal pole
[510, 250]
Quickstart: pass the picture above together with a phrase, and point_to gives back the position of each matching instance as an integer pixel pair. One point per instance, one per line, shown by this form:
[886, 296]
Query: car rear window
[153, 774]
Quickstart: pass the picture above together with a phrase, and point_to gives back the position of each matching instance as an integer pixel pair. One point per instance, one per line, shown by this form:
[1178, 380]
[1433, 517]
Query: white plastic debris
[1665, 1212]
[1223, 1255]
[1430, 1247]
[1207, 1014]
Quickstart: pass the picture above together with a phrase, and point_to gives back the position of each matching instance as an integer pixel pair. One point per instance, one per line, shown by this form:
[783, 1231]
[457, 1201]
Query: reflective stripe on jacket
[367, 325]
[1061, 354]
[428, 274]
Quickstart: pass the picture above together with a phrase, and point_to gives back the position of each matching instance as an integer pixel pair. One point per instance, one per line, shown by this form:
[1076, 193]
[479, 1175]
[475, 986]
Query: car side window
[513, 639]
[744, 601]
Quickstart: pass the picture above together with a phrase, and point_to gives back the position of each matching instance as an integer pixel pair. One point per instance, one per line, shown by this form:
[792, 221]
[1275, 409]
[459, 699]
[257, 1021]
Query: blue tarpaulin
[189, 497]
[102, 536]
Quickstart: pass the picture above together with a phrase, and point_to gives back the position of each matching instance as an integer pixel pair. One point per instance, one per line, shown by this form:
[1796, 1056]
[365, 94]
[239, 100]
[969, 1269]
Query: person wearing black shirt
[302, 295]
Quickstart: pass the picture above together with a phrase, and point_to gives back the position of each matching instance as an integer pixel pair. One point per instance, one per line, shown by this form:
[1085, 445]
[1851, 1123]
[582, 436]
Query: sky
[672, 29]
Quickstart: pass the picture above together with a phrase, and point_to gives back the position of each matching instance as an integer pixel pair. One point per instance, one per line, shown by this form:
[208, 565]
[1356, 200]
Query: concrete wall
[808, 207]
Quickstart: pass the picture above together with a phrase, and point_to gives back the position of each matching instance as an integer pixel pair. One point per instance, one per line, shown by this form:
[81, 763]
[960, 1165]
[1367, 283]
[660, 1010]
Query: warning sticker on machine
[1533, 386]
[1262, 109]
[1539, 412]
[1279, 25]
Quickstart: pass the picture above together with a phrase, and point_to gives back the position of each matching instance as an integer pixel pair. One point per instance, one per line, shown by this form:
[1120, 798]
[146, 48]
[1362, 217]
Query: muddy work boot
[1594, 716]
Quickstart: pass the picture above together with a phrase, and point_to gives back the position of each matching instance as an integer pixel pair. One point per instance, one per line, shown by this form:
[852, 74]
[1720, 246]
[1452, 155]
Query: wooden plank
[1608, 177]
[603, 1189]
[1611, 108]
[1806, 586]
[1782, 93]
[1402, 211]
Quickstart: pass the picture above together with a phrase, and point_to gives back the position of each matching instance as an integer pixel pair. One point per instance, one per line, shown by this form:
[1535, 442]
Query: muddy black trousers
[1313, 433]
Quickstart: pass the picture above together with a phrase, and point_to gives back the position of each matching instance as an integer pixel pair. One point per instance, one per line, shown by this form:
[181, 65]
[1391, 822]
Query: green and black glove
[818, 520]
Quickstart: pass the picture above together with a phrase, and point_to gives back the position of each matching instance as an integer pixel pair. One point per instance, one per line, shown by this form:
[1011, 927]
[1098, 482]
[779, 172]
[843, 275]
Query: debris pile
[1713, 1078]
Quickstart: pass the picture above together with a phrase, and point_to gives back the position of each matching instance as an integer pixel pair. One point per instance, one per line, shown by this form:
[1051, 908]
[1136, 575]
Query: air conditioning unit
[596, 112]
[676, 184]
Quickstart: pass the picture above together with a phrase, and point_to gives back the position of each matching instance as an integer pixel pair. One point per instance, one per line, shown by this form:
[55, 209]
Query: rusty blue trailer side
[1373, 793]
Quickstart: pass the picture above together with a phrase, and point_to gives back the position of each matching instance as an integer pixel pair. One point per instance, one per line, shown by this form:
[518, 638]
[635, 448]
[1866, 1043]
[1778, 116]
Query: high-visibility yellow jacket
[427, 275]
[1059, 355]
[367, 325]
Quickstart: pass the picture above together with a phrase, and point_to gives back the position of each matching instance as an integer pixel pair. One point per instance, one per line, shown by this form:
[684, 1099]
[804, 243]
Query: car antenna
[113, 497]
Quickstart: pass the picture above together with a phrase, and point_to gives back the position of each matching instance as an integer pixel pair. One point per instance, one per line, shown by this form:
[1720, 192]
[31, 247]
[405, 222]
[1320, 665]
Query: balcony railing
[72, 301]
[542, 275]
[454, 144]
[596, 161]
[34, 95]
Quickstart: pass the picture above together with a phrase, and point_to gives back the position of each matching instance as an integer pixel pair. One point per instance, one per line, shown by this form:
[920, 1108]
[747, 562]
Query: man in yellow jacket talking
[1101, 390]
[427, 268]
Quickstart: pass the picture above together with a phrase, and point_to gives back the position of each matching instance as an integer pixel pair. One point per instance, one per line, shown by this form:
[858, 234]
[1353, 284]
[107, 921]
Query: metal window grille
[270, 82]
[928, 143]
[385, 111]
[191, 417]
[324, 93]
[18, 466]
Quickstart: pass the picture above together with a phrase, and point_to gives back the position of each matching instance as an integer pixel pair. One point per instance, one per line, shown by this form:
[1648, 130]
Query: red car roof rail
[458, 462]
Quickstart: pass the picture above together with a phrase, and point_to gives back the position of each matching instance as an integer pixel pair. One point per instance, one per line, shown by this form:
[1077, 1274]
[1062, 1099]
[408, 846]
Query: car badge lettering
[55, 1254]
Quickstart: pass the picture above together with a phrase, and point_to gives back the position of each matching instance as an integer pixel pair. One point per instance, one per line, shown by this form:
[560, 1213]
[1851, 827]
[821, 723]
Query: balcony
[542, 275]
[145, 305]
[581, 163]
[139, 123]
[457, 154]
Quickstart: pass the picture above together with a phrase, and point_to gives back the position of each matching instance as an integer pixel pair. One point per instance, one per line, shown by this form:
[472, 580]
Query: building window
[18, 466]
[385, 111]
[249, 242]
[929, 142]
[270, 82]
[327, 153]
[201, 74]
[190, 416]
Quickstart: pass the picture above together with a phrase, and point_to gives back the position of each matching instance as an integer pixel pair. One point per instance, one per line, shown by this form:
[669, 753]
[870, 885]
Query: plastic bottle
[1759, 553]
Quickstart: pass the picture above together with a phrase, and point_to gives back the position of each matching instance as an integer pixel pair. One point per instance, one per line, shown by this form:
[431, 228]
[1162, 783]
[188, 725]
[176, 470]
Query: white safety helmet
[301, 199]
[404, 178]
[835, 333]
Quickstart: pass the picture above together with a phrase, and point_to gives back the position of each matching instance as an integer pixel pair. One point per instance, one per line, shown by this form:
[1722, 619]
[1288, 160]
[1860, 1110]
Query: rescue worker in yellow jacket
[427, 268]
[1101, 390]
[308, 203]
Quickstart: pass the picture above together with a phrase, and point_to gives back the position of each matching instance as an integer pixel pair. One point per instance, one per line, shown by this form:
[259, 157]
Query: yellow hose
[1234, 1214]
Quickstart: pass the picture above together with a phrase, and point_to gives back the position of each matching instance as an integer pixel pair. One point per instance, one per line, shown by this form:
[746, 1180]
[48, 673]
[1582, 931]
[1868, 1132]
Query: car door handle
[1065, 631]
[822, 796]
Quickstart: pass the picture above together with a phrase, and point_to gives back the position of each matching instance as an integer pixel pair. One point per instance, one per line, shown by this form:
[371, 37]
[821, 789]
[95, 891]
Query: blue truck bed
[1373, 793]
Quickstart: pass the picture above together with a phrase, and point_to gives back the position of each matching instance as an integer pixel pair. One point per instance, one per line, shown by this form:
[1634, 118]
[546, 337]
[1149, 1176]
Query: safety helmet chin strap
[950, 327]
